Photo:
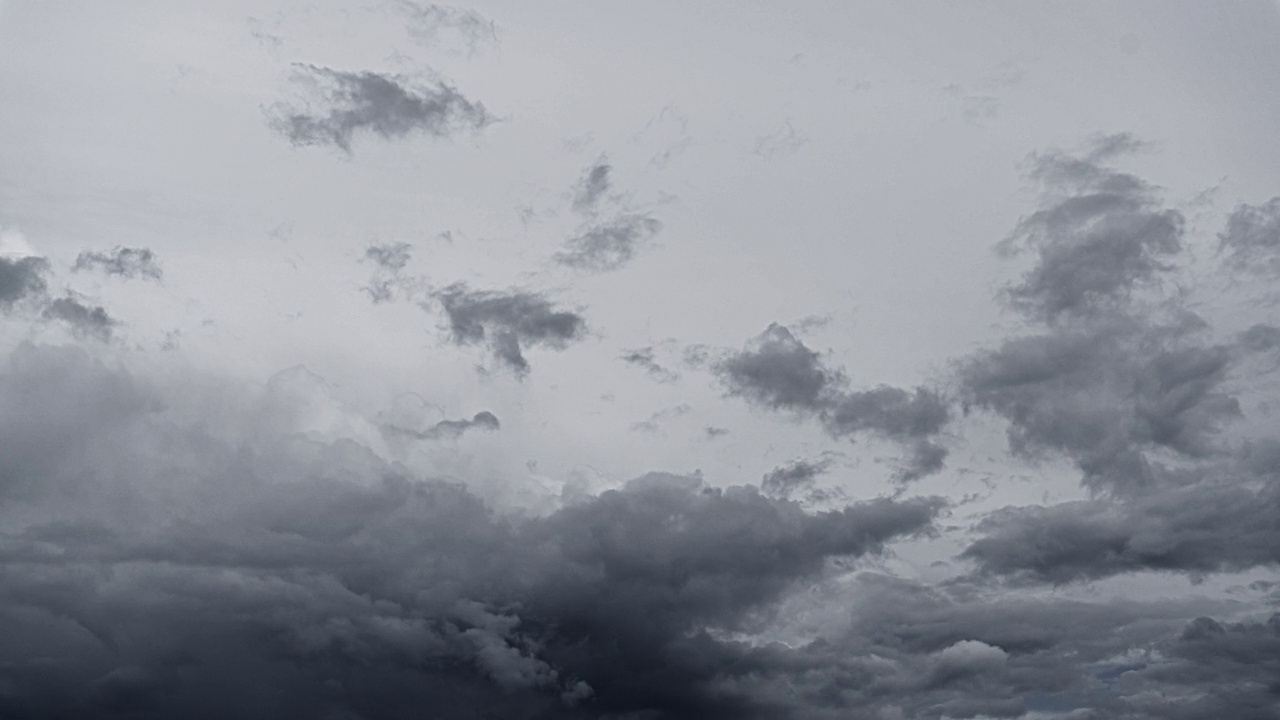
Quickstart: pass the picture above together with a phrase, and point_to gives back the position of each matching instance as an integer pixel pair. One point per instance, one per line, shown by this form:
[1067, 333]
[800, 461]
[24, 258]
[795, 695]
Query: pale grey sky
[544, 249]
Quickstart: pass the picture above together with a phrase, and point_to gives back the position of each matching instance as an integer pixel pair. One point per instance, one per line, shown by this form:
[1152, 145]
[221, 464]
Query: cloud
[593, 185]
[123, 261]
[609, 245]
[177, 548]
[644, 358]
[508, 322]
[779, 372]
[1251, 240]
[21, 278]
[1100, 235]
[784, 480]
[654, 422]
[483, 420]
[389, 260]
[430, 24]
[83, 319]
[1221, 519]
[342, 104]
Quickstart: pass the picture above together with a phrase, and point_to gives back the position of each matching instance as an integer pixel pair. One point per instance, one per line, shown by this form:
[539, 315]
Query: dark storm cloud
[1100, 235]
[123, 261]
[779, 372]
[913, 651]
[1251, 240]
[508, 322]
[483, 420]
[83, 319]
[609, 245]
[644, 358]
[21, 278]
[345, 103]
[594, 184]
[160, 561]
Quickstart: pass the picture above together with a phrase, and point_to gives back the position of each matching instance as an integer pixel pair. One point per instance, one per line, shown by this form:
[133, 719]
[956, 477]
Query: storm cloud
[344, 586]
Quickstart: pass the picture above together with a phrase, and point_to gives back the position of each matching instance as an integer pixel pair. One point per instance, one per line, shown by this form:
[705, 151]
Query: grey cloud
[609, 245]
[1103, 393]
[389, 261]
[920, 652]
[508, 322]
[779, 372]
[645, 358]
[21, 278]
[1259, 338]
[161, 562]
[1226, 521]
[83, 319]
[1251, 240]
[655, 421]
[428, 22]
[483, 420]
[593, 185]
[1101, 235]
[785, 480]
[123, 261]
[346, 103]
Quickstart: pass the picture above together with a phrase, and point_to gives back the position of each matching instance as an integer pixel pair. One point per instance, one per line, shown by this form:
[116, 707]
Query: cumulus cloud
[777, 371]
[508, 322]
[122, 261]
[339, 104]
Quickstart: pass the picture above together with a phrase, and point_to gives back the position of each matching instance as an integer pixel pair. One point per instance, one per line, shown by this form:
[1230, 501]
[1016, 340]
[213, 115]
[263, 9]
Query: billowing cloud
[329, 583]
[508, 322]
[779, 372]
[341, 104]
[125, 262]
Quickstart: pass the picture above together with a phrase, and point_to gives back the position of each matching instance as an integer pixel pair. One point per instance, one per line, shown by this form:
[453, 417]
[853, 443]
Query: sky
[645, 361]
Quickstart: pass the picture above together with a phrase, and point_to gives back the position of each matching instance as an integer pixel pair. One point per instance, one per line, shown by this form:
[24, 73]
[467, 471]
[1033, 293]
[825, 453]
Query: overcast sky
[639, 361]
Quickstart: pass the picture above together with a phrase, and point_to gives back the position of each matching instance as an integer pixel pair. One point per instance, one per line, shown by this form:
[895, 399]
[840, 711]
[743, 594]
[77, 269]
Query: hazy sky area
[639, 361]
